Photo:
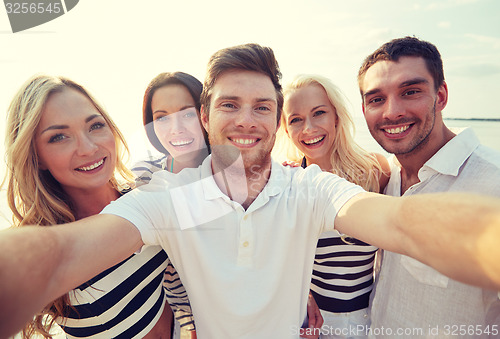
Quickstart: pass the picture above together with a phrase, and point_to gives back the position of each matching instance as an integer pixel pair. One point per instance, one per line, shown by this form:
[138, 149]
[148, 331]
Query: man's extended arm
[457, 234]
[39, 264]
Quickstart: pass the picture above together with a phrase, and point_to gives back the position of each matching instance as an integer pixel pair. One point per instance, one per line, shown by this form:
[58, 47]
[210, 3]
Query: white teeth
[181, 142]
[91, 167]
[313, 141]
[397, 129]
[244, 141]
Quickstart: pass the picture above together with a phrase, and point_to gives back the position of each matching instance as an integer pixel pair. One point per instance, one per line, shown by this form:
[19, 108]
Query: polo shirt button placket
[245, 250]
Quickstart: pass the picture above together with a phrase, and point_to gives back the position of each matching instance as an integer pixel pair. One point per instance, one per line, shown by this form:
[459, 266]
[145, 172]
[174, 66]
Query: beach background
[115, 47]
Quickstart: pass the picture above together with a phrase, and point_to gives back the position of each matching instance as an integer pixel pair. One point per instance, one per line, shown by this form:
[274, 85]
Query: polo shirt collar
[452, 155]
[276, 184]
[278, 180]
[210, 189]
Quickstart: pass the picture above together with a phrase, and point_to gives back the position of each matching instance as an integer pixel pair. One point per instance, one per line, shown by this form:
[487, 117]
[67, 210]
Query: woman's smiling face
[310, 121]
[176, 121]
[74, 142]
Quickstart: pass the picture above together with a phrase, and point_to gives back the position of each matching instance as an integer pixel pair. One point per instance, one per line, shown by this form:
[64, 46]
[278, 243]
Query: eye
[320, 112]
[57, 137]
[263, 108]
[411, 92]
[97, 125]
[190, 114]
[294, 120]
[228, 105]
[375, 100]
[160, 118]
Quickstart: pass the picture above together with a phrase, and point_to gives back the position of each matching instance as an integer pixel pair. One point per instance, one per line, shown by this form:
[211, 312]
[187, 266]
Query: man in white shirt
[241, 230]
[404, 92]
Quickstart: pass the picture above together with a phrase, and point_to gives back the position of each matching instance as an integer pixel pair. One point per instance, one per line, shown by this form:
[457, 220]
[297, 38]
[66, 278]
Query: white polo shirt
[247, 273]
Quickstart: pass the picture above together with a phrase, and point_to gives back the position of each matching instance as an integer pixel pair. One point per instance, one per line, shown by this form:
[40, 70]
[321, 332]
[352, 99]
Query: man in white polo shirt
[241, 230]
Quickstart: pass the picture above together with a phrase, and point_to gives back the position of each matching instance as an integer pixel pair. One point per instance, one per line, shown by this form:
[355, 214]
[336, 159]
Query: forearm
[28, 260]
[457, 234]
[39, 264]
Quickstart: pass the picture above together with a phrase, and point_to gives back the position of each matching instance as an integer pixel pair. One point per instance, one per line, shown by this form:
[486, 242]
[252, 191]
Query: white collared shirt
[247, 272]
[411, 296]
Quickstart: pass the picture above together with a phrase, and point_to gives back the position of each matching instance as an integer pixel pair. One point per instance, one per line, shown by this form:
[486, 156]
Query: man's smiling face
[243, 109]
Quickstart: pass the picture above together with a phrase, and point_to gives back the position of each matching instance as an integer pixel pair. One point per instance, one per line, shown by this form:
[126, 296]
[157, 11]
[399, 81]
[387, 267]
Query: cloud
[444, 24]
[449, 4]
[493, 42]
[476, 70]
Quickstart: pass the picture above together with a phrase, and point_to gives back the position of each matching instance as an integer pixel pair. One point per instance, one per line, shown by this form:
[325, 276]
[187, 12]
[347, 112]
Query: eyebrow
[315, 108]
[411, 82]
[165, 111]
[232, 97]
[53, 127]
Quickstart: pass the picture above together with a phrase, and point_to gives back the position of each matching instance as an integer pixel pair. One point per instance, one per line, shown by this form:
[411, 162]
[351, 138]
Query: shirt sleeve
[332, 193]
[141, 208]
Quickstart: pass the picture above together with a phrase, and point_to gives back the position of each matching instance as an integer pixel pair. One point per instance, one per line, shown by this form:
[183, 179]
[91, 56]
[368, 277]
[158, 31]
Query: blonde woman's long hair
[348, 159]
[34, 196]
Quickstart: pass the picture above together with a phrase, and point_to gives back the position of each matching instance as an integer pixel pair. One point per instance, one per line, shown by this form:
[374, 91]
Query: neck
[323, 163]
[92, 201]
[413, 161]
[178, 164]
[241, 183]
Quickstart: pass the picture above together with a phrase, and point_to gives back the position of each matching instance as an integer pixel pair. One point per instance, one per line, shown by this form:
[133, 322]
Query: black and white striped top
[143, 170]
[125, 301]
[176, 294]
[342, 276]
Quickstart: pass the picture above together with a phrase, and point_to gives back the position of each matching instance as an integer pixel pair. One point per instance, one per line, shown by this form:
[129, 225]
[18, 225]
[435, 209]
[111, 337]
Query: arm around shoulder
[39, 264]
[455, 233]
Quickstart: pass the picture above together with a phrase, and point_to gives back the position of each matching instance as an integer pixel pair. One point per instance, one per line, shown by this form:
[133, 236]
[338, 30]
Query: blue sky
[115, 47]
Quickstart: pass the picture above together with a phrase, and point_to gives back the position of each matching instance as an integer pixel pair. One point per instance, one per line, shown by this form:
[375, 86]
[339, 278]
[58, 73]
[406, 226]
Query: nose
[309, 126]
[176, 124]
[86, 145]
[394, 109]
[245, 118]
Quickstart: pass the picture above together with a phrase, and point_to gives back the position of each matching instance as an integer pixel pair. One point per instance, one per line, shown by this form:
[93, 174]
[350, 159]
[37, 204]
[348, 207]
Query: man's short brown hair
[407, 46]
[249, 57]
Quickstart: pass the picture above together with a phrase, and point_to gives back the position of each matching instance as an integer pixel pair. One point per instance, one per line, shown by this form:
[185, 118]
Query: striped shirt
[144, 169]
[124, 301]
[176, 294]
[342, 276]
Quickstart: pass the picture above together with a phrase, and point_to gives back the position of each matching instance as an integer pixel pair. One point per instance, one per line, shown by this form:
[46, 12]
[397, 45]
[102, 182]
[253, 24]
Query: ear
[442, 97]
[204, 117]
